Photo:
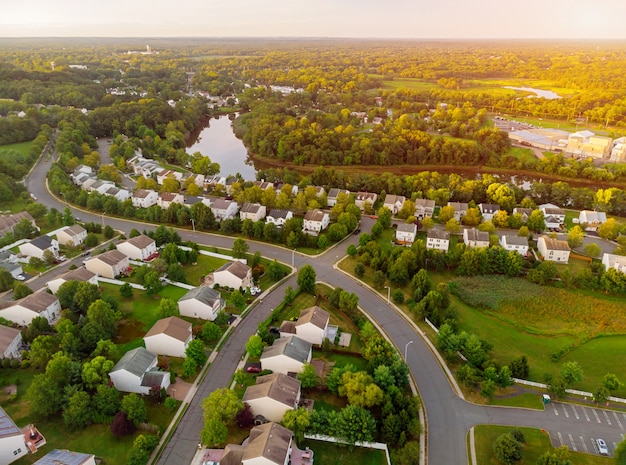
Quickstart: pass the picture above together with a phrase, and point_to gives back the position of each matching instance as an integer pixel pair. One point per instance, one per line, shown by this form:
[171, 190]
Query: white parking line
[556, 412]
[594, 445]
[617, 420]
[596, 415]
[607, 417]
[575, 412]
[582, 441]
[571, 439]
[560, 438]
[565, 410]
[585, 412]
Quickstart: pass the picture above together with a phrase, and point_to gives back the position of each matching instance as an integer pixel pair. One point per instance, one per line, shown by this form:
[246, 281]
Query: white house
[169, 336]
[16, 442]
[405, 233]
[224, 209]
[365, 198]
[315, 221]
[278, 217]
[66, 457]
[140, 247]
[553, 250]
[555, 212]
[312, 325]
[333, 194]
[618, 262]
[40, 303]
[273, 395]
[524, 212]
[286, 355]
[120, 194]
[137, 371]
[201, 302]
[475, 238]
[38, 246]
[11, 266]
[109, 264]
[145, 198]
[232, 274]
[438, 240]
[394, 202]
[488, 210]
[268, 444]
[517, 243]
[252, 211]
[10, 342]
[424, 208]
[164, 174]
[74, 235]
[79, 274]
[460, 209]
[168, 198]
[592, 219]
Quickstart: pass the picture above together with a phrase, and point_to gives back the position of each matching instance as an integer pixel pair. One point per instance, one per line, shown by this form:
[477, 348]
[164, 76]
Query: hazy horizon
[367, 19]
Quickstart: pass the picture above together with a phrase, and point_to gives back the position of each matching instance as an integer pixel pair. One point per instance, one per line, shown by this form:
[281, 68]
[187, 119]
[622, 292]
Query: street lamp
[388, 294]
[293, 257]
[405, 349]
[103, 219]
[193, 225]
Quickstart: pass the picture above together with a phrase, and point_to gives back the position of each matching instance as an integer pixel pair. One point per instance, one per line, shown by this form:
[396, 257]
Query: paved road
[448, 417]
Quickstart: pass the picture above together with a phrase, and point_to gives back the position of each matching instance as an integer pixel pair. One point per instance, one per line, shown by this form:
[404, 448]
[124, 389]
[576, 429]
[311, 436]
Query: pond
[547, 94]
[217, 141]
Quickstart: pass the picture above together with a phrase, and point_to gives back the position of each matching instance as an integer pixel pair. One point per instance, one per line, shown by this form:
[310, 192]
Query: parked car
[20, 277]
[602, 448]
[253, 367]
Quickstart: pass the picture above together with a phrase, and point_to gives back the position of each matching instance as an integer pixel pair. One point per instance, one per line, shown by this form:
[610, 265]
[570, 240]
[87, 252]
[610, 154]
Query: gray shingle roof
[136, 361]
[63, 457]
[203, 294]
[290, 346]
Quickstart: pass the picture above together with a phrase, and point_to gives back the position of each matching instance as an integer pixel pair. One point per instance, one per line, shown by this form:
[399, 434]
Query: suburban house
[8, 262]
[264, 185]
[363, 198]
[312, 325]
[286, 355]
[524, 212]
[198, 180]
[319, 191]
[592, 219]
[475, 238]
[278, 217]
[38, 246]
[169, 336]
[268, 444]
[8, 222]
[201, 302]
[553, 250]
[80, 178]
[488, 210]
[137, 371]
[109, 264]
[140, 247]
[424, 208]
[79, 274]
[315, 221]
[232, 274]
[515, 243]
[168, 198]
[120, 194]
[394, 202]
[10, 343]
[460, 209]
[145, 198]
[143, 166]
[191, 200]
[557, 213]
[438, 240]
[405, 233]
[333, 194]
[74, 235]
[66, 457]
[16, 442]
[273, 395]
[23, 311]
[618, 262]
[164, 174]
[252, 211]
[224, 209]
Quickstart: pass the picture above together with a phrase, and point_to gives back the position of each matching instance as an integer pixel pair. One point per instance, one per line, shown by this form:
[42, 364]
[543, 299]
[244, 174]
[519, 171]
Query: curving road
[449, 418]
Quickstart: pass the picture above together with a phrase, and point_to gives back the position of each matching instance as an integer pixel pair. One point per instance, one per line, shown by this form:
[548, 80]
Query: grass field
[537, 443]
[527, 400]
[327, 453]
[523, 155]
[23, 148]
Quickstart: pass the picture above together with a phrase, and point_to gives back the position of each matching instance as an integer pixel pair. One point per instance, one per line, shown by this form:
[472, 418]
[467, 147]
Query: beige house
[109, 264]
[201, 302]
[315, 221]
[252, 211]
[405, 233]
[438, 240]
[8, 222]
[553, 250]
[475, 238]
[140, 247]
[424, 208]
[286, 355]
[169, 336]
[515, 243]
[273, 395]
[10, 342]
[79, 274]
[66, 457]
[73, 236]
[38, 246]
[137, 372]
[233, 274]
[268, 444]
[22, 312]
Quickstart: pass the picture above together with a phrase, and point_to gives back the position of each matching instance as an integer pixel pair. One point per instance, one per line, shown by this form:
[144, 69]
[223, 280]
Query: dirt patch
[7, 391]
[128, 330]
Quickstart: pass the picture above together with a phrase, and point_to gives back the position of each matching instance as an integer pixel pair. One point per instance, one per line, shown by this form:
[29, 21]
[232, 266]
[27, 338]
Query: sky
[446, 19]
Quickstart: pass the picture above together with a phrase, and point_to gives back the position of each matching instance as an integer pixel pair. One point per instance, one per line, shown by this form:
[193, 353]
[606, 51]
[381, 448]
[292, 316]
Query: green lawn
[326, 453]
[206, 265]
[523, 155]
[537, 443]
[527, 400]
[23, 148]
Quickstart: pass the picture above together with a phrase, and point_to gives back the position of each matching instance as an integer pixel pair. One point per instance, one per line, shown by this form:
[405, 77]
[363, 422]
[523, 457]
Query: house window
[18, 451]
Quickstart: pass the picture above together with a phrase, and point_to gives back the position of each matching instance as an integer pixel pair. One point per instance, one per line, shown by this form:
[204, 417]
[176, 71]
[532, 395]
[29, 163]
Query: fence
[370, 445]
[574, 392]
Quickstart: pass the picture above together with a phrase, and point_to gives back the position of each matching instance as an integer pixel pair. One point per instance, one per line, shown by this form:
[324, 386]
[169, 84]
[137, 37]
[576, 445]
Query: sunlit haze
[570, 19]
